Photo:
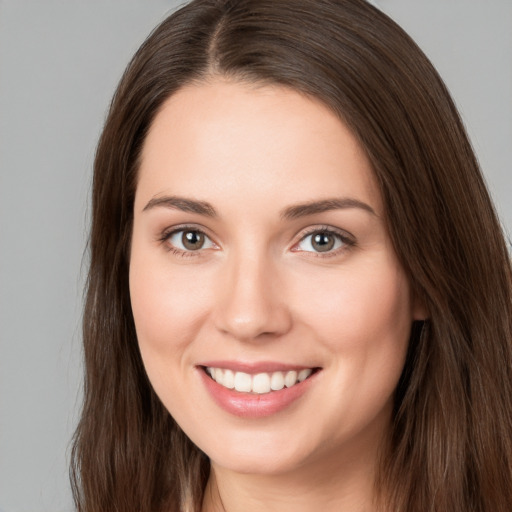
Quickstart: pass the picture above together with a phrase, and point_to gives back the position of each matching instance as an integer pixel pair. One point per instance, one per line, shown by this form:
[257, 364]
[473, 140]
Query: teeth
[277, 381]
[228, 380]
[217, 374]
[260, 383]
[304, 374]
[243, 382]
[290, 379]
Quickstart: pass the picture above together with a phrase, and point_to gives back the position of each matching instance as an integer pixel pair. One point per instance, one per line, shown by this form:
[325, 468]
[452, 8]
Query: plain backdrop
[59, 63]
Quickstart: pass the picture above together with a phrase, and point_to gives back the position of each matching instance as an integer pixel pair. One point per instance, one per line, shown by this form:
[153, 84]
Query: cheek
[357, 308]
[168, 309]
[363, 319]
[364, 324]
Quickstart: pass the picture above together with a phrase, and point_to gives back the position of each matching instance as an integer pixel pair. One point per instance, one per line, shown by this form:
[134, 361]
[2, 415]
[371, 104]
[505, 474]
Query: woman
[299, 293]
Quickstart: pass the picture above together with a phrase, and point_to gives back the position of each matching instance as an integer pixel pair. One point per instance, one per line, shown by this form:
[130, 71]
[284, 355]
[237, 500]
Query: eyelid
[167, 233]
[347, 239]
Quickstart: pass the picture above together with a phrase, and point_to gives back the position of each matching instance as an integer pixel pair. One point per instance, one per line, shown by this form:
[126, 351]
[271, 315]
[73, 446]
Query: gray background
[59, 63]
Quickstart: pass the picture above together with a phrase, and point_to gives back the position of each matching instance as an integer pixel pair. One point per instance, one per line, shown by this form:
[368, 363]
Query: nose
[250, 302]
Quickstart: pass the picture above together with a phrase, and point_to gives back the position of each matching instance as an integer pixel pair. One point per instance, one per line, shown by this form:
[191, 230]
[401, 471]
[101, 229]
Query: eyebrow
[182, 203]
[291, 212]
[325, 205]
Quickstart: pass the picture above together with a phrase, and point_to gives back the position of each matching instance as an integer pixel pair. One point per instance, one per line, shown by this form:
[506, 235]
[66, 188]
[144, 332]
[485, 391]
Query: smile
[260, 383]
[256, 390]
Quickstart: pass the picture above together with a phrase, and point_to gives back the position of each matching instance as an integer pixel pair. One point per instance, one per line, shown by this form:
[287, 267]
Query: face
[271, 311]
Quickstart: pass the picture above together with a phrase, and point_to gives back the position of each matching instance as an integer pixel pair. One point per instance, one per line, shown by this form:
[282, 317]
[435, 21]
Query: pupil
[192, 240]
[323, 242]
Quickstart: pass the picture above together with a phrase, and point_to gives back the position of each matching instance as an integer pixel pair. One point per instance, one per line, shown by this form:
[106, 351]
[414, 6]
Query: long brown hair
[451, 437]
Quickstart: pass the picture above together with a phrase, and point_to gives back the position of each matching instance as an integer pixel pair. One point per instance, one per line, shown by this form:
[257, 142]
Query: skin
[259, 291]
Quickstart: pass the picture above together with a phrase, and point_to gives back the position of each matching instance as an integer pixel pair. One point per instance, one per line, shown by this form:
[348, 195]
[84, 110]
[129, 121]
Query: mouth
[260, 383]
[256, 390]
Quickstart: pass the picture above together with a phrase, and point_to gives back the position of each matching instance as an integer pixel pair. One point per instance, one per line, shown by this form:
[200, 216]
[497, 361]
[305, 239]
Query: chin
[261, 453]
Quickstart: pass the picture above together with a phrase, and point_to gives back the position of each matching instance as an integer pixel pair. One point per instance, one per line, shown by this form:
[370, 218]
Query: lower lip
[253, 405]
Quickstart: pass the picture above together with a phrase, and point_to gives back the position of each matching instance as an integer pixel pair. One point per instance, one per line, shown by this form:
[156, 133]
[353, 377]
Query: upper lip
[255, 367]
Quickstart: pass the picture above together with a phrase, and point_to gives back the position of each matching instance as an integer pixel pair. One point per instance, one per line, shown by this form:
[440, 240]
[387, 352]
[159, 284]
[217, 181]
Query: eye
[189, 240]
[323, 241]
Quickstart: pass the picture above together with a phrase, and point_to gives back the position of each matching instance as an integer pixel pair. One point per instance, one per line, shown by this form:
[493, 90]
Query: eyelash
[347, 241]
[167, 234]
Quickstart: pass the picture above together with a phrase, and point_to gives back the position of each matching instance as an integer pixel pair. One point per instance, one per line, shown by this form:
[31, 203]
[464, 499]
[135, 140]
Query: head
[352, 61]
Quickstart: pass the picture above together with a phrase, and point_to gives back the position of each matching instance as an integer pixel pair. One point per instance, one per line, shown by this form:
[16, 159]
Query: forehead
[229, 139]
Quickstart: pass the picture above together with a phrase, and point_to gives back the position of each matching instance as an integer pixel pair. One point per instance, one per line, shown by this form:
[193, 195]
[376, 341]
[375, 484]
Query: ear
[419, 308]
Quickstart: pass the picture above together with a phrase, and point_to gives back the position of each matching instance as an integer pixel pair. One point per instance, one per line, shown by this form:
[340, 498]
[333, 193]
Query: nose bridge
[251, 302]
